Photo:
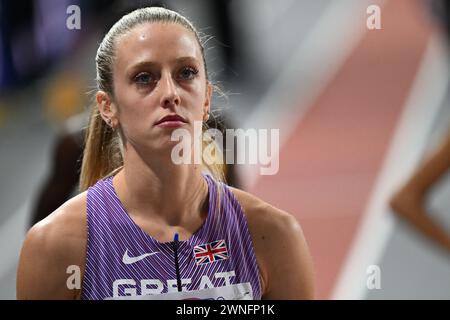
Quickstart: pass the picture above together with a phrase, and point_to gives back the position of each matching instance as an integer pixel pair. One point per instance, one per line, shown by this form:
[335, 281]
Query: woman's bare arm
[409, 201]
[283, 256]
[52, 252]
[288, 264]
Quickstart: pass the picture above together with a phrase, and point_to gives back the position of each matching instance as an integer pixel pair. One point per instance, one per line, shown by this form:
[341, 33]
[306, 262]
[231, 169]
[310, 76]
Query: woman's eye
[143, 78]
[188, 73]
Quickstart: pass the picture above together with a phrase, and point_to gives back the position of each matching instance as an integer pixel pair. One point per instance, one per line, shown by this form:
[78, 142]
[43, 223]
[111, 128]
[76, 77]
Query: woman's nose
[169, 91]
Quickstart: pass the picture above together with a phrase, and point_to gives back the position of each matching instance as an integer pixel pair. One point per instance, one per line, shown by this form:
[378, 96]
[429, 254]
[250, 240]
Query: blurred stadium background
[357, 110]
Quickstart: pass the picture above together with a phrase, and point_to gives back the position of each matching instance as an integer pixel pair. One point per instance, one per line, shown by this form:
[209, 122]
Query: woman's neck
[169, 193]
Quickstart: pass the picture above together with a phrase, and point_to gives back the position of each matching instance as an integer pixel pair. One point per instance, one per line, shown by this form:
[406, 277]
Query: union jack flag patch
[210, 252]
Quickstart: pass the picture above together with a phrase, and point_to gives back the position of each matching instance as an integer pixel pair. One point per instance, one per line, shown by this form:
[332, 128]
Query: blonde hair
[102, 154]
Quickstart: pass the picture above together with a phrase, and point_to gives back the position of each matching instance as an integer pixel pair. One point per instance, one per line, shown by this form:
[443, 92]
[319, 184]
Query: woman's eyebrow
[185, 59]
[141, 64]
[150, 64]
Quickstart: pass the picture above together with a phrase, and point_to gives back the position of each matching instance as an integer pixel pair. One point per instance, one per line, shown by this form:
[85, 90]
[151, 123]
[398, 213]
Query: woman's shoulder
[260, 213]
[51, 246]
[69, 219]
[277, 234]
[63, 232]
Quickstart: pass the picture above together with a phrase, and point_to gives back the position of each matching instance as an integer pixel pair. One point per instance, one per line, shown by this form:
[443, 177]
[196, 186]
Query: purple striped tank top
[124, 262]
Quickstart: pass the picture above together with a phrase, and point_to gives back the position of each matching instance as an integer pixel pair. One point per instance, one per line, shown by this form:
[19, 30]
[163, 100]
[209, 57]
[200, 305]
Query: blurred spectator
[65, 168]
[410, 201]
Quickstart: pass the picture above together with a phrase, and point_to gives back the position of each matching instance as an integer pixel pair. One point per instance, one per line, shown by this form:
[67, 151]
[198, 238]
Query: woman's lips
[171, 121]
[171, 124]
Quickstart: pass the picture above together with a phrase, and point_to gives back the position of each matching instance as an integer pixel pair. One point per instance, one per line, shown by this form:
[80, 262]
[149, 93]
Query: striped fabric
[123, 260]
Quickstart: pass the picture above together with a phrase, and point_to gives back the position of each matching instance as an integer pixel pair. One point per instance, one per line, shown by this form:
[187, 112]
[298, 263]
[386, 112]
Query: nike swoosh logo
[129, 260]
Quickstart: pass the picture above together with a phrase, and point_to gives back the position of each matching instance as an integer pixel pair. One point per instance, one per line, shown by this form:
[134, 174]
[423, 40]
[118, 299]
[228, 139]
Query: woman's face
[158, 71]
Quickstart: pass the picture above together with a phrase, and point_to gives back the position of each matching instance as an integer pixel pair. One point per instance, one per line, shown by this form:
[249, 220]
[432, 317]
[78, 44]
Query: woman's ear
[107, 108]
[207, 104]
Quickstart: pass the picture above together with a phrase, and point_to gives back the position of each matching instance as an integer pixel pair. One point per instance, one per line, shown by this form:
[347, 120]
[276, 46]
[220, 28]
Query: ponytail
[102, 153]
